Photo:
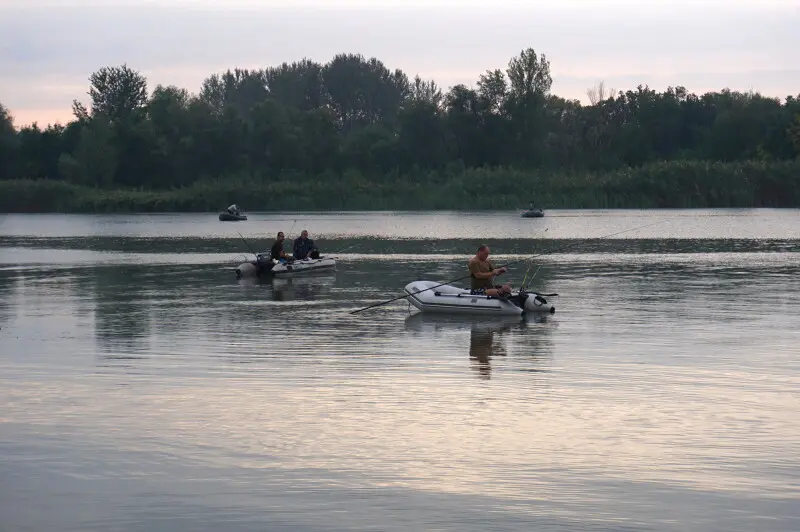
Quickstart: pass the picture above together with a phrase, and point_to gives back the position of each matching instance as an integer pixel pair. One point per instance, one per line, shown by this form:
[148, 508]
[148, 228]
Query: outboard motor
[264, 263]
[537, 303]
[521, 297]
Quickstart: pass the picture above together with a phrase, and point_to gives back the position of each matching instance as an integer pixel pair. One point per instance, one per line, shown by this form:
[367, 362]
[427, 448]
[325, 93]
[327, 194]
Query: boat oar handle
[406, 295]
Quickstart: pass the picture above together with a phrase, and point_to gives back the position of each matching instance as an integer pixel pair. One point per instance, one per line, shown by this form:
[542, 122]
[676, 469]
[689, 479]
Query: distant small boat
[532, 213]
[232, 214]
[228, 217]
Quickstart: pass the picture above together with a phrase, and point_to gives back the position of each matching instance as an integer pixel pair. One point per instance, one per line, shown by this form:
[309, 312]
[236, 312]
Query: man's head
[483, 252]
[280, 235]
[304, 234]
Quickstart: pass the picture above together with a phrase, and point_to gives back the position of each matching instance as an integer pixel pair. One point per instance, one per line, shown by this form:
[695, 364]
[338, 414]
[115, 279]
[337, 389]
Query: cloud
[50, 49]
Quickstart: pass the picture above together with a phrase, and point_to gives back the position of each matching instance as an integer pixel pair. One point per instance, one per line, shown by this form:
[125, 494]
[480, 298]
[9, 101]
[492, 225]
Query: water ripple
[155, 391]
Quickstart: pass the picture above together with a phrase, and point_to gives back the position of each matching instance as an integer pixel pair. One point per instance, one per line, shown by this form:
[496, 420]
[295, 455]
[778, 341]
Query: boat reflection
[491, 336]
[305, 287]
[291, 288]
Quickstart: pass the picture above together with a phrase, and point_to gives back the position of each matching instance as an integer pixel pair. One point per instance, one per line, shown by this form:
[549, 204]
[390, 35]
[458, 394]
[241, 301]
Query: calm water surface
[144, 388]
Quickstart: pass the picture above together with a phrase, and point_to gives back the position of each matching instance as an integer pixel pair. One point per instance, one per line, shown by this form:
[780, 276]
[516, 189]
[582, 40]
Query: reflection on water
[162, 393]
[488, 337]
[303, 287]
[482, 347]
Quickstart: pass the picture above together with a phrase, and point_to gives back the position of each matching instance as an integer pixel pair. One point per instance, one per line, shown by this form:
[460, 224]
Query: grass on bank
[677, 184]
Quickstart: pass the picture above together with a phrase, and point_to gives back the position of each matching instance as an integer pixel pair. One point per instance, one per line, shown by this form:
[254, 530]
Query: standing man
[304, 247]
[482, 273]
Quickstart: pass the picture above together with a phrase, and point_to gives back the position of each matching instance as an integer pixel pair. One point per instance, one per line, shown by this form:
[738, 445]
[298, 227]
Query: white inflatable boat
[430, 296]
[304, 266]
[264, 264]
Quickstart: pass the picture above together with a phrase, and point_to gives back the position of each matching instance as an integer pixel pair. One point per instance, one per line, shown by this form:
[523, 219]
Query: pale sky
[49, 48]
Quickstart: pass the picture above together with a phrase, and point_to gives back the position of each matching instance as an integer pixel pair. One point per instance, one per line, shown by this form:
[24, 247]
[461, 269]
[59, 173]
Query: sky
[48, 49]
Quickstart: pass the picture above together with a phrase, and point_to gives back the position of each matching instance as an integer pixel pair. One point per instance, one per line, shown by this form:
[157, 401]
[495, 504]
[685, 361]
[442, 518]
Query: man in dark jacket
[304, 247]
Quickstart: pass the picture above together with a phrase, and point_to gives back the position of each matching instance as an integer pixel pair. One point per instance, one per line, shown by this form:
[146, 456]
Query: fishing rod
[336, 253]
[529, 268]
[248, 245]
[526, 285]
[562, 248]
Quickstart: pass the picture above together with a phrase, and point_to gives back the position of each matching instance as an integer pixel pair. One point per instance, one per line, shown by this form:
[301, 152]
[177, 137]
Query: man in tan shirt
[482, 272]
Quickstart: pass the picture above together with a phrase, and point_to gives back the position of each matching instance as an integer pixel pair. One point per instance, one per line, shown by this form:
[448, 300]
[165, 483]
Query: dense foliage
[310, 135]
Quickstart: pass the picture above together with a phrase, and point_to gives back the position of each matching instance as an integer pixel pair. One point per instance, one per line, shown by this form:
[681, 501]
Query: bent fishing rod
[246, 244]
[562, 248]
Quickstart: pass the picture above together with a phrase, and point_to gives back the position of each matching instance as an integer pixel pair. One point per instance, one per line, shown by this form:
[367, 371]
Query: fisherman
[233, 209]
[482, 272]
[276, 252]
[304, 247]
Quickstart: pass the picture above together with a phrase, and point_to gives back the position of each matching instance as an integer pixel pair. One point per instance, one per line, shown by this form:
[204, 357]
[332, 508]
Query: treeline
[324, 132]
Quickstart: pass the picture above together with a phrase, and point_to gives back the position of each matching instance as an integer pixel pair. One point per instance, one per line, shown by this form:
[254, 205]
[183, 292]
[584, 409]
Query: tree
[321, 141]
[421, 91]
[493, 90]
[240, 89]
[172, 153]
[116, 92]
[372, 150]
[530, 80]
[463, 119]
[599, 92]
[94, 161]
[273, 138]
[364, 91]
[356, 119]
[529, 74]
[40, 151]
[298, 85]
[9, 145]
[422, 137]
[794, 134]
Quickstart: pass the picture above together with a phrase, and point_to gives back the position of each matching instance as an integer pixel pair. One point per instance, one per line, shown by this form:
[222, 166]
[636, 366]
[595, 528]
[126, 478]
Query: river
[143, 387]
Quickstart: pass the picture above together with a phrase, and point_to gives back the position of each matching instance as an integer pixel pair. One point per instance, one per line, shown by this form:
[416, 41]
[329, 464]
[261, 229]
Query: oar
[562, 248]
[405, 296]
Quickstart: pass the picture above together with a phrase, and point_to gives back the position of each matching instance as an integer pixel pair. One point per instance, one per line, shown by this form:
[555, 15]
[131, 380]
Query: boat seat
[462, 295]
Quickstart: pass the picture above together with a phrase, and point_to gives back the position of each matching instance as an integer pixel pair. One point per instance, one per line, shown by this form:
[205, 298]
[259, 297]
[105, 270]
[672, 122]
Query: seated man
[234, 210]
[276, 252]
[304, 247]
[482, 271]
